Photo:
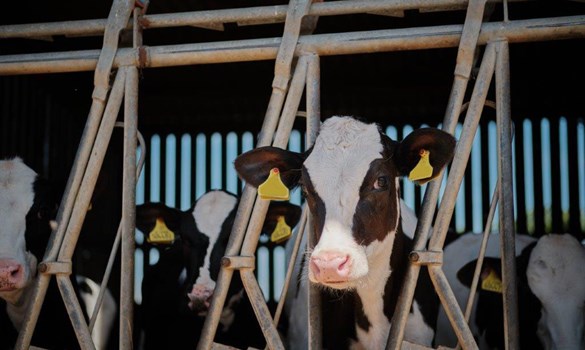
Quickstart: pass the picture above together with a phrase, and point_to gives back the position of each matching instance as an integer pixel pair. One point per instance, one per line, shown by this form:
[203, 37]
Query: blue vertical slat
[528, 174]
[200, 166]
[186, 168]
[216, 161]
[170, 170]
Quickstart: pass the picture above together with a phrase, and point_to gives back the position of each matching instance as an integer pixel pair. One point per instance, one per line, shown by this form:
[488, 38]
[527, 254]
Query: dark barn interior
[42, 116]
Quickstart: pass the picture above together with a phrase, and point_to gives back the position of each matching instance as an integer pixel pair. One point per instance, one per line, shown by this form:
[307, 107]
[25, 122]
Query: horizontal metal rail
[245, 16]
[323, 45]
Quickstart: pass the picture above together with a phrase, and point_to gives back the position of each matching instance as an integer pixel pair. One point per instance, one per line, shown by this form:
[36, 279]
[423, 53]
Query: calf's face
[556, 276]
[24, 224]
[350, 181]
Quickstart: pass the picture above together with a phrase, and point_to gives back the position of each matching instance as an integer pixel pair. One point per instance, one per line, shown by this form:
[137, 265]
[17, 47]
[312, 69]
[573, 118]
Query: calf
[350, 179]
[550, 284]
[27, 205]
[177, 290]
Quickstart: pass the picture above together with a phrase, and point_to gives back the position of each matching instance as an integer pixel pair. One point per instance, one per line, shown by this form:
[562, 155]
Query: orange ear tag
[423, 169]
[492, 283]
[273, 188]
[281, 232]
[160, 234]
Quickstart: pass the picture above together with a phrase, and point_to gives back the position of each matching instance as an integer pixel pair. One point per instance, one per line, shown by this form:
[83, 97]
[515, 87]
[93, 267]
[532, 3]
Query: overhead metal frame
[276, 128]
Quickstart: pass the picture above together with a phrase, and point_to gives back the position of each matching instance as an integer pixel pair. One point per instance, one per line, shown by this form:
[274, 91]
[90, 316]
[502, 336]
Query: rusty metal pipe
[128, 208]
[261, 310]
[75, 312]
[63, 216]
[94, 165]
[321, 44]
[452, 308]
[249, 15]
[313, 122]
[506, 194]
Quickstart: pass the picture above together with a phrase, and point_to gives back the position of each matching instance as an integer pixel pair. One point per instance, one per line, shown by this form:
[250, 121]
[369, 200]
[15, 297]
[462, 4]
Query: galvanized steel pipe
[128, 209]
[506, 194]
[249, 15]
[321, 44]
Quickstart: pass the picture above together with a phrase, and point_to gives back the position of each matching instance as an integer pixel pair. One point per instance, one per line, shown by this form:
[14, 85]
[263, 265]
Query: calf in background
[551, 291]
[27, 205]
[176, 292]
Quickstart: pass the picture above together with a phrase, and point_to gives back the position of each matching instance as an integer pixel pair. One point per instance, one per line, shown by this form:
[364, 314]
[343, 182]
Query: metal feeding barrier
[297, 69]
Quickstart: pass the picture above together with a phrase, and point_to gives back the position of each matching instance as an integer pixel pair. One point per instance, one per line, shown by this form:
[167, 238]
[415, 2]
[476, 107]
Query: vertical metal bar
[128, 208]
[254, 293]
[462, 152]
[313, 121]
[506, 193]
[64, 213]
[75, 312]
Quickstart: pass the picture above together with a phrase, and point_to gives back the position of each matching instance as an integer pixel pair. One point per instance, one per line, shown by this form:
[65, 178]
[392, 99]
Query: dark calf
[177, 290]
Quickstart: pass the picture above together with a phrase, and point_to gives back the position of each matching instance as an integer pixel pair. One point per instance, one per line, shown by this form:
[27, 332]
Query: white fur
[372, 295]
[337, 165]
[16, 199]
[556, 275]
[209, 213]
[106, 315]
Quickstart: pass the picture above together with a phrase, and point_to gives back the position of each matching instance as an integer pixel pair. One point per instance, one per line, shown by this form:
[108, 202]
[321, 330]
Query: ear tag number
[423, 169]
[160, 234]
[273, 188]
[281, 232]
[492, 283]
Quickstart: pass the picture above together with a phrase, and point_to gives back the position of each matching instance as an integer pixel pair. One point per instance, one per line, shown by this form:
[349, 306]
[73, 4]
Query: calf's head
[26, 207]
[203, 233]
[350, 181]
[556, 276]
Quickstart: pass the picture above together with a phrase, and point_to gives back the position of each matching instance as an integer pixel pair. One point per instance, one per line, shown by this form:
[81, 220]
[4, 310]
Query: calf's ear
[490, 270]
[291, 213]
[439, 144]
[254, 166]
[147, 213]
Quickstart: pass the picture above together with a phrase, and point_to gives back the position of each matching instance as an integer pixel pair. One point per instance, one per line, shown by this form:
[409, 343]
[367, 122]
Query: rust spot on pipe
[143, 60]
[43, 267]
[226, 262]
[414, 257]
[144, 22]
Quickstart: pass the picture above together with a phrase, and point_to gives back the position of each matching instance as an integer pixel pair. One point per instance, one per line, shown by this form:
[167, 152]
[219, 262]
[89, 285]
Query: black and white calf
[27, 205]
[350, 179]
[177, 290]
[551, 291]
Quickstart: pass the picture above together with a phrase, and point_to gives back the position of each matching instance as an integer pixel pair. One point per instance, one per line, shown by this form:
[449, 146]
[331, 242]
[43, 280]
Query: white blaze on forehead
[338, 164]
[16, 199]
[210, 212]
[556, 276]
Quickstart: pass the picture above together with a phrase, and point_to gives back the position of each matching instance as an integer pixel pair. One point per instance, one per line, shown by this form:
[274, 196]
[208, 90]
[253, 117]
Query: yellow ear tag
[422, 170]
[273, 188]
[160, 234]
[281, 232]
[492, 283]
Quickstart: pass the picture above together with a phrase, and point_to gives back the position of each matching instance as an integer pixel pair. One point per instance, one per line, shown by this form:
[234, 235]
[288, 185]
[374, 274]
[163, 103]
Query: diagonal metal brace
[292, 29]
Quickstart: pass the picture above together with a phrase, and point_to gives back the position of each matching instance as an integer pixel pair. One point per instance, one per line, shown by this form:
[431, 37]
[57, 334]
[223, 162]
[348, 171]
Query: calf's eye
[381, 183]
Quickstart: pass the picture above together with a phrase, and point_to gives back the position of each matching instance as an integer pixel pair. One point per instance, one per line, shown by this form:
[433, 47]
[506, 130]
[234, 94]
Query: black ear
[254, 166]
[146, 215]
[291, 213]
[465, 274]
[440, 144]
